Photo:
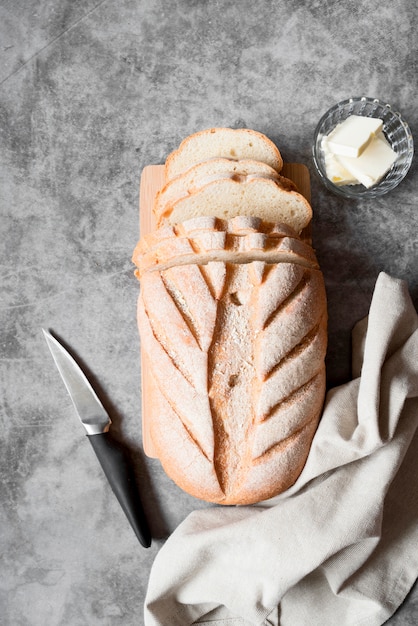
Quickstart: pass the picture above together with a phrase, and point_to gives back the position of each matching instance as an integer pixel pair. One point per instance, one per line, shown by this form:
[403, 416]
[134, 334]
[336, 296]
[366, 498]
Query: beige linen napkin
[340, 546]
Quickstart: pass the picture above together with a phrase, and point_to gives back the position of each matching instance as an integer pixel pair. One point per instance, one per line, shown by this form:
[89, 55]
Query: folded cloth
[341, 545]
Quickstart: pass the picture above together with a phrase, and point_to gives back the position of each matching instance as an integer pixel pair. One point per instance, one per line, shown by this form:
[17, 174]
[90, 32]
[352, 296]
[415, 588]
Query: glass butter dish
[395, 131]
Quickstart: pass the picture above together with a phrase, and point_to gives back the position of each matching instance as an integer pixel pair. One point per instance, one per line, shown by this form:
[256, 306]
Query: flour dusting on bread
[232, 319]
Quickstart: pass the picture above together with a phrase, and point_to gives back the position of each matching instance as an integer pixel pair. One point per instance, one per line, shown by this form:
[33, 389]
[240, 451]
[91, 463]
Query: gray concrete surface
[90, 93]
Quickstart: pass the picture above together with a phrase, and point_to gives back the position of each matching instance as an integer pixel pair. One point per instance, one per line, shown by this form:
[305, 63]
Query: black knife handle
[122, 480]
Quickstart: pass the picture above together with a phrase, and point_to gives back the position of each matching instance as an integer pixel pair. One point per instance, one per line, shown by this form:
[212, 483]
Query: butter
[351, 137]
[370, 166]
[374, 162]
[336, 172]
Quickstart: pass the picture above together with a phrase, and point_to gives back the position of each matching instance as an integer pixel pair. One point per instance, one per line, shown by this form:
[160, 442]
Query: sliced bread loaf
[230, 143]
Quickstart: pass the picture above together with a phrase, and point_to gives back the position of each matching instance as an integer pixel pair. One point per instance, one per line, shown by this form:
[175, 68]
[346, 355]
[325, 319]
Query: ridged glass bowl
[395, 129]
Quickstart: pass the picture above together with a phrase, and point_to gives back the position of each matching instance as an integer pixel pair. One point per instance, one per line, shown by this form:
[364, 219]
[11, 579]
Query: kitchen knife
[97, 422]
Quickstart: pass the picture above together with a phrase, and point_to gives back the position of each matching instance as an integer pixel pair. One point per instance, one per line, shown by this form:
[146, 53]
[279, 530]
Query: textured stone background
[90, 92]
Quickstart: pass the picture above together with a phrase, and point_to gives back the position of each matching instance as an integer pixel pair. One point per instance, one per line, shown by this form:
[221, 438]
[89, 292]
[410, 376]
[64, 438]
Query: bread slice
[236, 351]
[205, 172]
[230, 143]
[227, 198]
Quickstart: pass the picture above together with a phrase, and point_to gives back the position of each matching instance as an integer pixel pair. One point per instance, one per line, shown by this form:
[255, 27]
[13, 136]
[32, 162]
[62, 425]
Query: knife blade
[97, 422]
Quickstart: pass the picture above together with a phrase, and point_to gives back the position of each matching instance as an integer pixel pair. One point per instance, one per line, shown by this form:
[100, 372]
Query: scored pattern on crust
[188, 316]
[176, 342]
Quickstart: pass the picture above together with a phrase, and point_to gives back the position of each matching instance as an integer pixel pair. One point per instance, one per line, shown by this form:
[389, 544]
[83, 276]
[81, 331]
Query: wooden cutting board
[152, 179]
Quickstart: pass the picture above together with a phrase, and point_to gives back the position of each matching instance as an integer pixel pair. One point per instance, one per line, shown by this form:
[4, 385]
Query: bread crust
[236, 350]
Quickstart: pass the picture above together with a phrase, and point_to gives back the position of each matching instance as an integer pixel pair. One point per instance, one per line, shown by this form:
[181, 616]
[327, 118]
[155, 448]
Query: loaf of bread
[241, 143]
[232, 319]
